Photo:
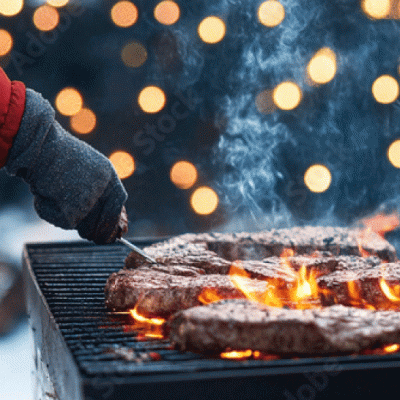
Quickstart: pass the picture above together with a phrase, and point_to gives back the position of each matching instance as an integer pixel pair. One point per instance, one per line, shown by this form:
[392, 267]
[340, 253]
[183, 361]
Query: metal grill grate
[80, 344]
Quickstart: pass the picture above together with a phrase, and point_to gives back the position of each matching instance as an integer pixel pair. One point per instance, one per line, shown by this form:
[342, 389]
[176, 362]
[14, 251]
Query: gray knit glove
[75, 186]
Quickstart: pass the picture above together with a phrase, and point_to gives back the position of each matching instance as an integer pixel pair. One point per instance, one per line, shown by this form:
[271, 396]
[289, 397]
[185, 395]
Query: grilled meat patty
[242, 325]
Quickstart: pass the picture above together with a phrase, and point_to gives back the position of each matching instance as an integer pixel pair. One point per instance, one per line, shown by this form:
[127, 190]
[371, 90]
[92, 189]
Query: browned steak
[165, 289]
[213, 250]
[241, 325]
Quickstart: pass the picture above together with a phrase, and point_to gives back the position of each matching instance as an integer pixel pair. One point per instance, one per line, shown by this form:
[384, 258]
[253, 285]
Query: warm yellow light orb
[152, 99]
[69, 101]
[318, 178]
[376, 9]
[204, 200]
[57, 3]
[287, 95]
[134, 55]
[123, 163]
[124, 14]
[271, 13]
[6, 42]
[167, 12]
[322, 67]
[212, 29]
[393, 153]
[46, 18]
[385, 89]
[183, 174]
[84, 121]
[9, 8]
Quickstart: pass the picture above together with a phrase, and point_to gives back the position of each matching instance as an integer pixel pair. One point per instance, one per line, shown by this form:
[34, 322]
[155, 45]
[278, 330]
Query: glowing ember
[391, 348]
[237, 354]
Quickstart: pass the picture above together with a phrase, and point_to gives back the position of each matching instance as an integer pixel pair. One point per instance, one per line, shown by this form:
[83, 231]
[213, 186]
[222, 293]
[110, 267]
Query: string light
[167, 12]
[385, 89]
[318, 178]
[271, 13]
[376, 9]
[69, 101]
[124, 14]
[322, 67]
[123, 163]
[84, 121]
[134, 54]
[204, 200]
[6, 42]
[183, 174]
[287, 95]
[9, 8]
[152, 99]
[57, 3]
[212, 29]
[46, 18]
[393, 153]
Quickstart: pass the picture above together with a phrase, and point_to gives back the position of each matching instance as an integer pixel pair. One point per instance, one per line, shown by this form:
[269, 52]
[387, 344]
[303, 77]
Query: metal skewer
[137, 250]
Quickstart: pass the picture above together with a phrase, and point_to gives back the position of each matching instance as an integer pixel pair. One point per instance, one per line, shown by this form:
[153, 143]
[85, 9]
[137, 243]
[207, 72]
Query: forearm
[70, 180]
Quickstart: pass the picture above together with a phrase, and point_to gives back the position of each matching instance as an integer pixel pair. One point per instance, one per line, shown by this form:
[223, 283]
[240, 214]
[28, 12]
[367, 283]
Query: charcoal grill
[76, 343]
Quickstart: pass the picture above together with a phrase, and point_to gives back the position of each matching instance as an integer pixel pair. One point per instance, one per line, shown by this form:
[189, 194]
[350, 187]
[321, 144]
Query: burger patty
[164, 289]
[241, 325]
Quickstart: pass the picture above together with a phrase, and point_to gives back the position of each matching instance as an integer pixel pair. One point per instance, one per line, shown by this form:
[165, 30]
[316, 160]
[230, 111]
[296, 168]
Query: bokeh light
[385, 89]
[123, 163]
[69, 101]
[212, 29]
[183, 174]
[287, 95]
[393, 153]
[271, 13]
[318, 178]
[204, 200]
[84, 121]
[152, 99]
[57, 3]
[124, 14]
[167, 12]
[376, 9]
[265, 102]
[6, 42]
[46, 18]
[322, 67]
[9, 8]
[134, 54]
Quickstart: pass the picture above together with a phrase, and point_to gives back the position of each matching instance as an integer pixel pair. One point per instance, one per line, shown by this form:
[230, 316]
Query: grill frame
[186, 376]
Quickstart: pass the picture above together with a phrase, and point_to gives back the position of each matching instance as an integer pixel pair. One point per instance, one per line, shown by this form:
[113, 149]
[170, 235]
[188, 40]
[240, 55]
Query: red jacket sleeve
[12, 106]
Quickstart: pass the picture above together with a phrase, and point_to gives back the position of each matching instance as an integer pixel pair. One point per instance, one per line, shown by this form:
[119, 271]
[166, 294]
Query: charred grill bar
[83, 352]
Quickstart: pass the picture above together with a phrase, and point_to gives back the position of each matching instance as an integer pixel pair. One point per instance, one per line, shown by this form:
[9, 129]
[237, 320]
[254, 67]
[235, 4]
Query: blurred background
[220, 115]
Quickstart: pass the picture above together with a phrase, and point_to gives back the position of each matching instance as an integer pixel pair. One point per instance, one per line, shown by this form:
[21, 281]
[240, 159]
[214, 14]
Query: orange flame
[382, 223]
[302, 293]
[392, 293]
[147, 328]
[237, 354]
[392, 348]
[209, 295]
[355, 296]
